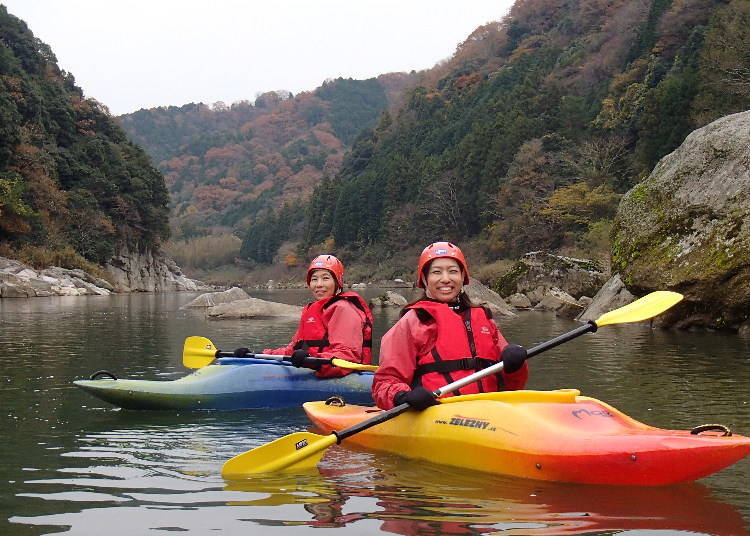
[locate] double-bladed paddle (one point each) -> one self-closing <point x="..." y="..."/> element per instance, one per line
<point x="303" y="450"/>
<point x="197" y="352"/>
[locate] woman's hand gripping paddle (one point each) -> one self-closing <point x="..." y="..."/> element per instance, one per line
<point x="303" y="450"/>
<point x="197" y="352"/>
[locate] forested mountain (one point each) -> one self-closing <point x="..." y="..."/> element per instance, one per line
<point x="527" y="137"/>
<point x="225" y="166"/>
<point x="72" y="186"/>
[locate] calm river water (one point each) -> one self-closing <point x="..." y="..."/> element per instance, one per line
<point x="74" y="465"/>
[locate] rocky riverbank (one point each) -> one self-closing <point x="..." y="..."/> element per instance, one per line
<point x="132" y="273"/>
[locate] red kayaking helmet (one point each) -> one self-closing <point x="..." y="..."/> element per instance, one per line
<point x="330" y="263"/>
<point x="437" y="250"/>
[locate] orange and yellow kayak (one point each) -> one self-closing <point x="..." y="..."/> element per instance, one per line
<point x="546" y="435"/>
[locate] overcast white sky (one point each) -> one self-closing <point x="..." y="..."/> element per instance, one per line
<point x="144" y="53"/>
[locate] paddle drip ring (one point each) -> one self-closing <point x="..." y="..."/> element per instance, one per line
<point x="726" y="432"/>
<point x="102" y="374"/>
<point x="335" y="401"/>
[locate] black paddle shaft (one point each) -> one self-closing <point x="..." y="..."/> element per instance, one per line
<point x="372" y="421"/>
<point x="398" y="410"/>
<point x="309" y="360"/>
<point x="589" y="326"/>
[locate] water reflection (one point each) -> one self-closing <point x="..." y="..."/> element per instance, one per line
<point x="164" y="476"/>
<point x="353" y="486"/>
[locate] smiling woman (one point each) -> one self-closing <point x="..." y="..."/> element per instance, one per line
<point x="443" y="337"/>
<point x="337" y="325"/>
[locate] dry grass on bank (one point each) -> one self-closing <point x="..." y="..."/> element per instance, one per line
<point x="40" y="258"/>
<point x="204" y="253"/>
<point x="487" y="273"/>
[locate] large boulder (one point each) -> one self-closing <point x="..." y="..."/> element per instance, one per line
<point x="686" y="227"/>
<point x="388" y="299"/>
<point x="611" y="296"/>
<point x="254" y="308"/>
<point x="537" y="272"/>
<point x="480" y="294"/>
<point x="562" y="303"/>
<point x="209" y="299"/>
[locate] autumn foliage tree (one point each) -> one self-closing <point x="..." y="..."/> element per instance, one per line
<point x="228" y="166"/>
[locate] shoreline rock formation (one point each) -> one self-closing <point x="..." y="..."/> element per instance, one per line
<point x="129" y="273"/>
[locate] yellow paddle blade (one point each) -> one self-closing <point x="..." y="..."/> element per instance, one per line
<point x="297" y="451"/>
<point x="642" y="309"/>
<point x="197" y="352"/>
<point x="351" y="365"/>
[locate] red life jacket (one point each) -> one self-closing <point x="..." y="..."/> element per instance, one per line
<point x="464" y="345"/>
<point x="314" y="333"/>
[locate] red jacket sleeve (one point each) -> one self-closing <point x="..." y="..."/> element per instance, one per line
<point x="399" y="349"/>
<point x="345" y="326"/>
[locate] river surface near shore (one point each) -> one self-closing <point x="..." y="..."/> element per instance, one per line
<point x="72" y="464"/>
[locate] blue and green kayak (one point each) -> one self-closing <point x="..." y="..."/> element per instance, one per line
<point x="230" y="383"/>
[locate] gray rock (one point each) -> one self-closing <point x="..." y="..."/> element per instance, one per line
<point x="158" y="273"/>
<point x="27" y="273"/>
<point x="480" y="294"/>
<point x="388" y="299"/>
<point x="42" y="293"/>
<point x="75" y="278"/>
<point x="148" y="271"/>
<point x="560" y="302"/>
<point x="9" y="264"/>
<point x="391" y="283"/>
<point x="211" y="299"/>
<point x="68" y="291"/>
<point x="253" y="308"/>
<point x="537" y="272"/>
<point x="611" y="296"/>
<point x="536" y="295"/>
<point x="519" y="301"/>
<point x="8" y="277"/>
<point x="686" y="227"/>
<point x="9" y="289"/>
<point x="90" y="288"/>
<point x="41" y="285"/>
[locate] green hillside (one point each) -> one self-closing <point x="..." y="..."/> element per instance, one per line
<point x="529" y="135"/>
<point x="72" y="186"/>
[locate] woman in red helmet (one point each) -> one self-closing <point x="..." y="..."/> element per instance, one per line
<point x="443" y="337"/>
<point x="337" y="324"/>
